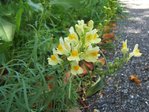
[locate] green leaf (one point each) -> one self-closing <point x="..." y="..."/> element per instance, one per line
<point x="35" y="6"/>
<point x="4" y="46"/>
<point x="4" y="54"/>
<point x="66" y="3"/>
<point x="2" y="58"/>
<point x="18" y="18"/>
<point x="108" y="46"/>
<point x="98" y="85"/>
<point x="7" y="30"/>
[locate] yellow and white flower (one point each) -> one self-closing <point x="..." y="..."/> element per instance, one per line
<point x="92" y="37"/>
<point x="76" y="69"/>
<point x="91" y="54"/>
<point x="90" y="25"/>
<point x="80" y="27"/>
<point x="54" y="59"/>
<point x="124" y="47"/>
<point x="62" y="48"/>
<point x="72" y="37"/>
<point x="67" y="45"/>
<point x="135" y="52"/>
<point x="74" y="56"/>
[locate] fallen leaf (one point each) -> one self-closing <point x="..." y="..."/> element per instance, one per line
<point x="50" y="86"/>
<point x="102" y="61"/>
<point x="113" y="25"/>
<point x="84" y="70"/>
<point x="108" y="36"/>
<point x="106" y="29"/>
<point x="49" y="78"/>
<point x="134" y="78"/>
<point x="67" y="76"/>
<point x="89" y="65"/>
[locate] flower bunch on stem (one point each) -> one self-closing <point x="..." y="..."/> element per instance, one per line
<point x="79" y="45"/>
<point x="125" y="50"/>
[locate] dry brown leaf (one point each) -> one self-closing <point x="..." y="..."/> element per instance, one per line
<point x="108" y="36"/>
<point x="84" y="70"/>
<point x="67" y="76"/>
<point x="134" y="78"/>
<point x="50" y="86"/>
<point x="102" y="61"/>
<point x="106" y="29"/>
<point x="108" y="41"/>
<point x="89" y="65"/>
<point x="112" y="24"/>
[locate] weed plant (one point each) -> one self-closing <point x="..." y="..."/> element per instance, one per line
<point x="27" y="82"/>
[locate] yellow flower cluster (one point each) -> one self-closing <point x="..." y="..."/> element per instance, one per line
<point x="80" y="44"/>
<point x="135" y="52"/>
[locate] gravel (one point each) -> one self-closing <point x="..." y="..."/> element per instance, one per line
<point x="120" y="94"/>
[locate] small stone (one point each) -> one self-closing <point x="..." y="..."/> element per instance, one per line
<point x="147" y="103"/>
<point x="131" y="96"/>
<point x="96" y="110"/>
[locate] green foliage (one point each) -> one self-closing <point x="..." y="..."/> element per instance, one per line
<point x="98" y="85"/>
<point x="111" y="68"/>
<point x="23" y="61"/>
<point x="7" y="30"/>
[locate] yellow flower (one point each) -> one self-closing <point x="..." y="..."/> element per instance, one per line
<point x="91" y="54"/>
<point x="76" y="69"/>
<point x="124" y="47"/>
<point x="74" y="55"/>
<point x="80" y="27"/>
<point x="135" y="52"/>
<point x="90" y="25"/>
<point x="67" y="45"/>
<point x="72" y="37"/>
<point x="63" y="48"/>
<point x="92" y="37"/>
<point x="54" y="59"/>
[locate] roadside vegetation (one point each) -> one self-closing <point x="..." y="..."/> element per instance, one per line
<point x="29" y="30"/>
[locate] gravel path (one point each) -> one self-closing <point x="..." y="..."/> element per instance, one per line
<point x="120" y="94"/>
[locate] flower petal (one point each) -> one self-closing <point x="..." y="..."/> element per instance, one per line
<point x="76" y="69"/>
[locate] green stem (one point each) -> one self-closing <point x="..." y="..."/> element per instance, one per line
<point x="70" y="84"/>
<point x="105" y="59"/>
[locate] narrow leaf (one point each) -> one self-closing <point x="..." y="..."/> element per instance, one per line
<point x="18" y="19"/>
<point x="96" y="87"/>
